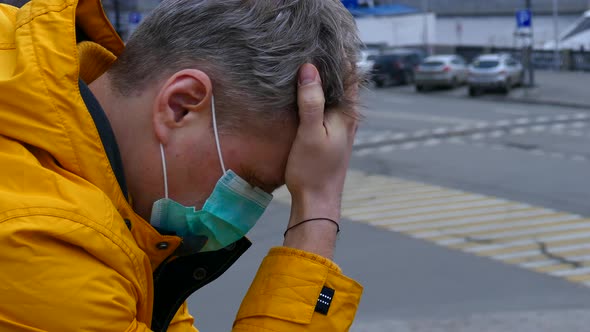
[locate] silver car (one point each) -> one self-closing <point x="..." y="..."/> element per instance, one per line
<point x="494" y="71"/>
<point x="441" y="70"/>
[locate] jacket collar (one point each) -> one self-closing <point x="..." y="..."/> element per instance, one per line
<point x="106" y="135"/>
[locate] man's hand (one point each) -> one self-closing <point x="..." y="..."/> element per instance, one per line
<point x="317" y="167"/>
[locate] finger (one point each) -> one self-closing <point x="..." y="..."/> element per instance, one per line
<point x="348" y="112"/>
<point x="310" y="99"/>
<point x="341" y="120"/>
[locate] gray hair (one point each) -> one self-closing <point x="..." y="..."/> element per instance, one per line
<point x="251" y="49"/>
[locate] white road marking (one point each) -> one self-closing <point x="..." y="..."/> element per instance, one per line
<point x="397" y="115"/>
<point x="549" y="262"/>
<point x="474" y="220"/>
<point x="493" y="227"/>
<point x="405" y="209"/>
<point x="555" y="250"/>
<point x="570" y="272"/>
<point x="510" y="111"/>
<point x="540" y="230"/>
<point x="545" y="239"/>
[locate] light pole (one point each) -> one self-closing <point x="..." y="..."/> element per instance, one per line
<point x="117" y="17"/>
<point x="556" y="33"/>
<point x="425" y="27"/>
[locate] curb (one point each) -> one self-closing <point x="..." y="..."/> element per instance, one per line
<point x="531" y="101"/>
<point x="516" y="100"/>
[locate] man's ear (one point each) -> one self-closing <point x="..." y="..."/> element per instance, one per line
<point x="186" y="93"/>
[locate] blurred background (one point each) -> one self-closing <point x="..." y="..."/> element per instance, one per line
<point x="467" y="203"/>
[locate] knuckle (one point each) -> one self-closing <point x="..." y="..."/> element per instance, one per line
<point x="312" y="102"/>
<point x="312" y="98"/>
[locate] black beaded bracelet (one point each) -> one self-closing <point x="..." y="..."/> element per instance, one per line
<point x="313" y="219"/>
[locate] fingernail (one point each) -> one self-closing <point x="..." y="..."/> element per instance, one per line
<point x="307" y="74"/>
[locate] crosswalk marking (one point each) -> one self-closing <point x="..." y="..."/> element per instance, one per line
<point x="549" y="263"/>
<point x="474" y="223"/>
<point x="571" y="272"/>
<point x="400" y="211"/>
<point x="556" y="249"/>
<point x="584" y="279"/>
<point x="565" y="252"/>
<point x="532" y="244"/>
<point x="436" y="197"/>
<point x="577" y="225"/>
<point x="465" y="215"/>
<point x="535" y="238"/>
<point x="382" y="189"/>
<point x="509" y="246"/>
<point x="414" y="207"/>
<point x="500" y="226"/>
<point x="514" y="239"/>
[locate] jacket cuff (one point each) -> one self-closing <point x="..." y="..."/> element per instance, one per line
<point x="286" y="251"/>
<point x="294" y="288"/>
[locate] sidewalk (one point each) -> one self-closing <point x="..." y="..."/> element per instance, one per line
<point x="571" y="89"/>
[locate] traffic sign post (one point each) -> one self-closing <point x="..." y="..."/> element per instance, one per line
<point x="524" y="30"/>
<point x="524" y="18"/>
<point x="350" y="4"/>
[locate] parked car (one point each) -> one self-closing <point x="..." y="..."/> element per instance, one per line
<point x="395" y="67"/>
<point x="366" y="60"/>
<point x="494" y="71"/>
<point x="441" y="70"/>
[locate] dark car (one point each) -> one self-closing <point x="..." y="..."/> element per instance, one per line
<point x="395" y="68"/>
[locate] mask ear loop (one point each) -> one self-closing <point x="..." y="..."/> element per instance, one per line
<point x="165" y="171"/>
<point x="217" y="134"/>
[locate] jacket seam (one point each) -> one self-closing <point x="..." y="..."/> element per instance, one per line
<point x="310" y="307"/>
<point x="344" y="278"/>
<point x="58" y="114"/>
<point x="47" y="9"/>
<point x="270" y="292"/>
<point x="110" y="216"/>
<point x="286" y="251"/>
<point x="90" y="224"/>
<point x="311" y="260"/>
<point x="258" y="328"/>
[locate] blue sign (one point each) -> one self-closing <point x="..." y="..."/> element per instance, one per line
<point x="350" y="4"/>
<point x="524" y="18"/>
<point x="134" y="18"/>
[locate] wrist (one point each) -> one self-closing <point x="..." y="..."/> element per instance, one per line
<point x="308" y="206"/>
<point x="290" y="227"/>
<point x="317" y="237"/>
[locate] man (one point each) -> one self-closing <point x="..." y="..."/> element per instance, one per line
<point x="130" y="175"/>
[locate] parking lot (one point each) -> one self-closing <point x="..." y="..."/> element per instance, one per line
<point x="551" y="88"/>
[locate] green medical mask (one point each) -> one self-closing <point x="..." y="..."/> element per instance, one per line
<point x="229" y="213"/>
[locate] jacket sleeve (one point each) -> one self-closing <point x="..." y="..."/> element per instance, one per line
<point x="182" y="321"/>
<point x="52" y="280"/>
<point x="298" y="291"/>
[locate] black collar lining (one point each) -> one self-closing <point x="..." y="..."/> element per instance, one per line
<point x="107" y="136"/>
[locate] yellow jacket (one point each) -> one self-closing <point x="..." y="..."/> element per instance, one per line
<point x="73" y="254"/>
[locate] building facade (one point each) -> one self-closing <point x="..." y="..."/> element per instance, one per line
<point x="490" y="7"/>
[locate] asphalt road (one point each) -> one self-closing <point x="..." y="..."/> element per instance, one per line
<point x="537" y="165"/>
<point x="531" y="154"/>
